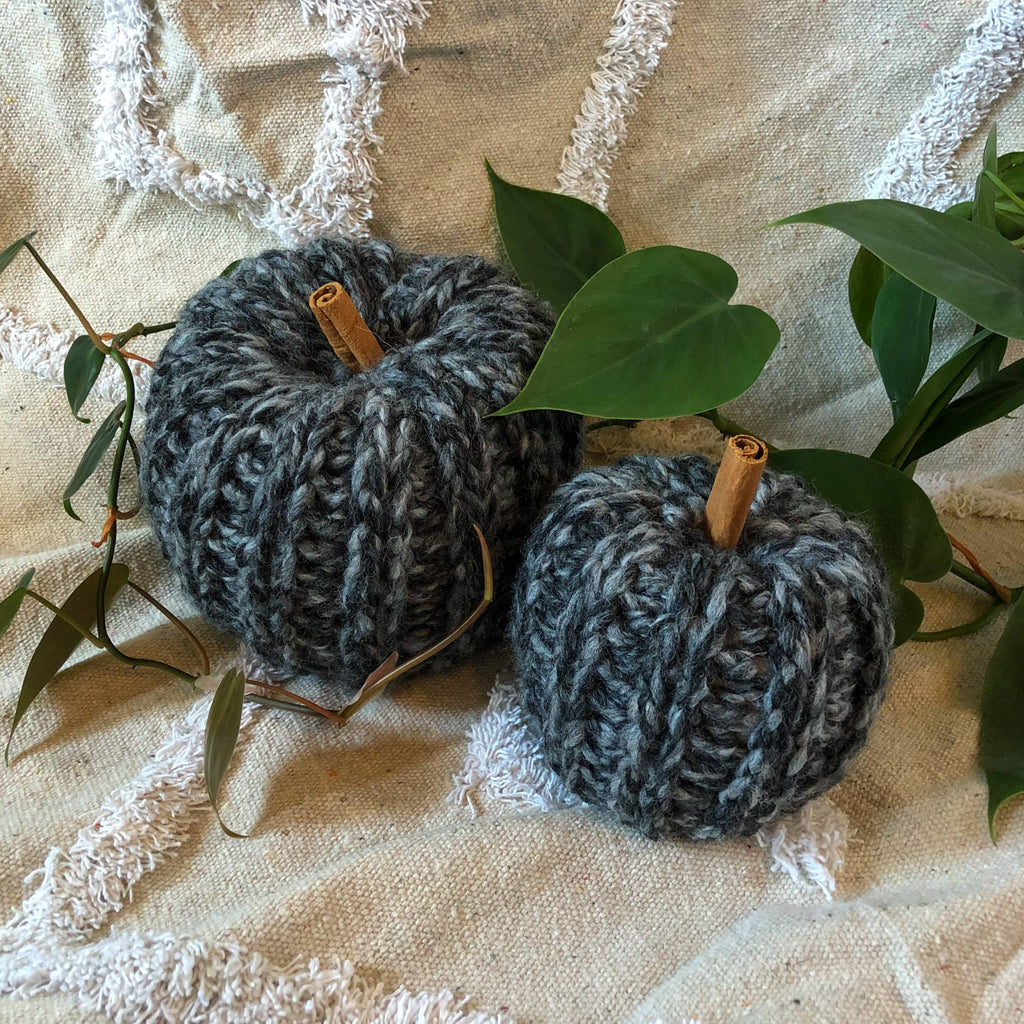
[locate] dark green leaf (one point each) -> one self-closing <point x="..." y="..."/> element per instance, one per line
<point x="226" y="272"/>
<point x="907" y="612"/>
<point x="901" y="338"/>
<point x="1010" y="168"/>
<point x="998" y="396"/>
<point x="651" y="335"/>
<point x="966" y="265"/>
<point x="61" y="639"/>
<point x="93" y="454"/>
<point x="10" y="604"/>
<point x="81" y="368"/>
<point x="992" y="359"/>
<point x="937" y="392"/>
<point x="867" y="275"/>
<point x="12" y="250"/>
<point x="897" y="513"/>
<point x="1001" y="743"/>
<point x="222" y="724"/>
<point x="555" y="243"/>
<point x="985" y="192"/>
<point x="962" y="210"/>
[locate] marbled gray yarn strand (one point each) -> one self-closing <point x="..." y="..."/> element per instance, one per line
<point x="691" y="690"/>
<point x="325" y="517"/>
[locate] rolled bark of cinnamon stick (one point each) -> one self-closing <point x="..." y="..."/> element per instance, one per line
<point x="345" y="330"/>
<point x="734" y="489"/>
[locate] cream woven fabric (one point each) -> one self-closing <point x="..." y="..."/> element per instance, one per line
<point x="365" y="892"/>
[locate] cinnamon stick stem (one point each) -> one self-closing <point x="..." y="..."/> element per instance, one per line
<point x="734" y="489"/>
<point x="346" y="331"/>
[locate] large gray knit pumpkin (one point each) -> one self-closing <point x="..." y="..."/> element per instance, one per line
<point x="324" y="517"/>
<point x="696" y="691"/>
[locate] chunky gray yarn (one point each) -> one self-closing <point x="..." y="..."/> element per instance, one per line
<point x="326" y="518"/>
<point x="691" y="690"/>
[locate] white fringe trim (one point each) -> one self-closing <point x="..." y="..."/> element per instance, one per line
<point x="504" y="766"/>
<point x="133" y="977"/>
<point x="135" y="830"/>
<point x="42" y="348"/>
<point x="640" y="31"/>
<point x="919" y="165"/>
<point x="504" y="762"/>
<point x="810" y="844"/>
<point x="367" y="40"/>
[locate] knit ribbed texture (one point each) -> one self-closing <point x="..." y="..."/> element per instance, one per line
<point x="691" y="690"/>
<point x="327" y="518"/>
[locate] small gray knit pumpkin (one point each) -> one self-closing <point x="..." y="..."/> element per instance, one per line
<point x="326" y="518"/>
<point x="696" y="691"/>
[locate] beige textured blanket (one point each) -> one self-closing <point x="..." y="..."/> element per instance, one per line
<point x="151" y="143"/>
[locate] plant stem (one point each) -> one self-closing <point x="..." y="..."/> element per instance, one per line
<point x="1005" y="189"/>
<point x="1003" y="593"/>
<point x="95" y="641"/>
<point x="204" y="658"/>
<point x="970" y="576"/>
<point x="283" y="705"/>
<point x="730" y="426"/>
<point x="95" y="338"/>
<point x="158" y="328"/>
<point x="601" y="424"/>
<point x="965" y="629"/>
<point x="316" y="709"/>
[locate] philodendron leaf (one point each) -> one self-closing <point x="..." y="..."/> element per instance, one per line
<point x="651" y="335"/>
<point x="222" y="724"/>
<point x="10" y="605"/>
<point x="61" y="639"/>
<point x="993" y="398"/>
<point x="93" y="454"/>
<point x="901" y="338"/>
<point x="983" y="210"/>
<point x="924" y="408"/>
<point x="1001" y="744"/>
<point x="82" y="366"/>
<point x="13" y="249"/>
<point x="898" y="514"/>
<point x="867" y="275"/>
<point x="970" y="267"/>
<point x="555" y="243"/>
<point x="992" y="359"/>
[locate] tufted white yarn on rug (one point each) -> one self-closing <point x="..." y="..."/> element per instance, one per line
<point x="919" y="165"/>
<point x="366" y="41"/>
<point x="504" y="766"/>
<point x="135" y="977"/>
<point x="42" y="348"/>
<point x="640" y="31"/>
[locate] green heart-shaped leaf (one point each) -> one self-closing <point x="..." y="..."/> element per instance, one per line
<point x="82" y="366"/>
<point x="61" y="639"/>
<point x="93" y="455"/>
<point x="901" y="338"/>
<point x="967" y="265"/>
<point x="555" y="243"/>
<point x="222" y="724"/>
<point x="651" y="335"/>
<point x="1001" y="743"/>
<point x="897" y="513"/>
